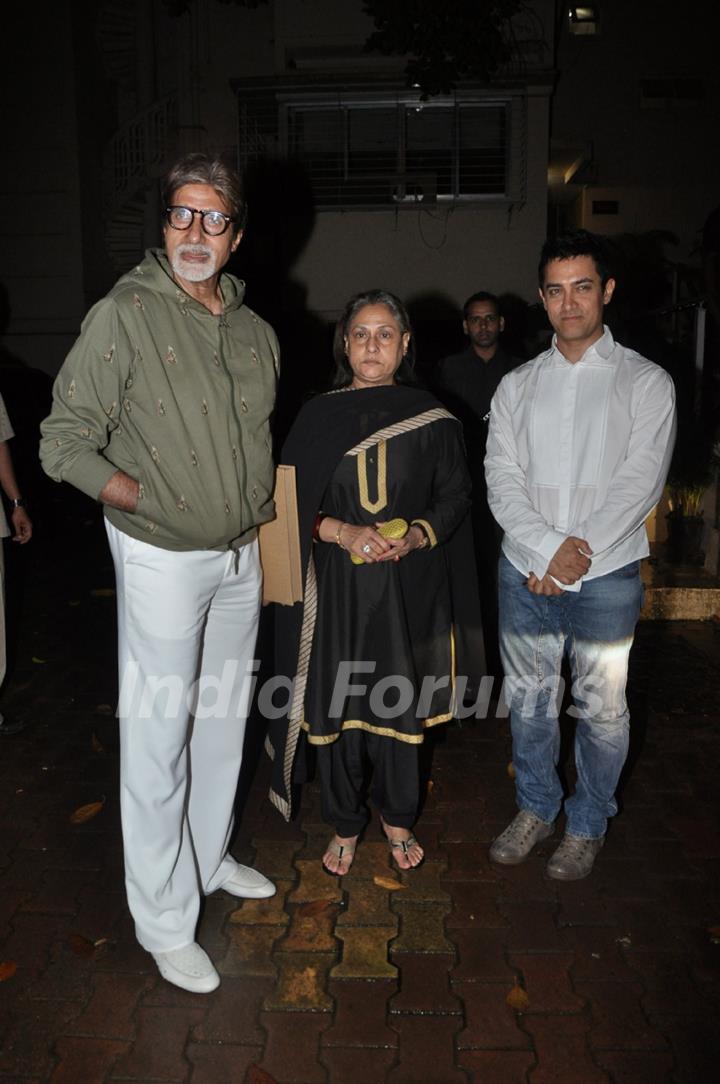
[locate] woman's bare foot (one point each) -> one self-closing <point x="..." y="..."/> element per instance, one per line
<point x="339" y="855"/>
<point x="405" y="849"/>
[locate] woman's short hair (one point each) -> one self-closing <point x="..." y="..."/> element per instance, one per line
<point x="343" y="374"/>
<point x="200" y="168"/>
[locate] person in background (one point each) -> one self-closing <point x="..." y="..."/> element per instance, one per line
<point x="466" y="383"/>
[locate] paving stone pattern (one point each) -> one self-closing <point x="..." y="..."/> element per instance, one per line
<point x="352" y="980"/>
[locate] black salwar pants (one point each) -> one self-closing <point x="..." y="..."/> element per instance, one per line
<point x="360" y="760"/>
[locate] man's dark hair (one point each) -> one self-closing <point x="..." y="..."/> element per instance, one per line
<point x="574" y="243"/>
<point x="199" y="168"/>
<point x="343" y="375"/>
<point x="481" y="295"/>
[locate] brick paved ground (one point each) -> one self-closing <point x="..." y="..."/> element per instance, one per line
<point x="353" y="981"/>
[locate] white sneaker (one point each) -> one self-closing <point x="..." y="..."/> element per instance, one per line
<point x="249" y="884"/>
<point x="188" y="967"/>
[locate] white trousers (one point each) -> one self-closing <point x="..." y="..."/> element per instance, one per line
<point x="187" y="625"/>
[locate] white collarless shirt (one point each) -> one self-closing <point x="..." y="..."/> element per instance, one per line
<point x="579" y="449"/>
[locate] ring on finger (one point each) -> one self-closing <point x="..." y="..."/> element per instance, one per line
<point x="367" y="548"/>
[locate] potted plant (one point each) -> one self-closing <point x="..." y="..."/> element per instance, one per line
<point x="691" y="473"/>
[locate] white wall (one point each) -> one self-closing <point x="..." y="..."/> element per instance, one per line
<point x="440" y="250"/>
<point x="412" y="251"/>
<point x="415" y="252"/>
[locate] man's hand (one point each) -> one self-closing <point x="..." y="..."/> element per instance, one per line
<point x="571" y="560"/>
<point x="121" y="491"/>
<point x="23" y="525"/>
<point x="545" y="586"/>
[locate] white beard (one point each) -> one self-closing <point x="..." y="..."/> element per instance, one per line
<point x="190" y="271"/>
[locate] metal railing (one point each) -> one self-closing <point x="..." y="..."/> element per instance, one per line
<point x="138" y="152"/>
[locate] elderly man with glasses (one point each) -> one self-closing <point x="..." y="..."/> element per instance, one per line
<point x="161" y="412"/>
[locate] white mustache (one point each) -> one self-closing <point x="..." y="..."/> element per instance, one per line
<point x="193" y="250"/>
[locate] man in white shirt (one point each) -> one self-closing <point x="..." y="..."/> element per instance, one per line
<point x="579" y="445"/>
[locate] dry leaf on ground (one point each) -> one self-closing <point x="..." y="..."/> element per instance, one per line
<point x="317" y="907"/>
<point x="256" y="1075"/>
<point x="387" y="882"/>
<point x="517" y="999"/>
<point x="86" y="812"/>
<point x="81" y="946"/>
<point x="7" y="969"/>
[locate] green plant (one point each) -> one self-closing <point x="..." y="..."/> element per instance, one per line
<point x="686" y="500"/>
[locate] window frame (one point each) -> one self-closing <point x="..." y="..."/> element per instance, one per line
<point x="512" y="106"/>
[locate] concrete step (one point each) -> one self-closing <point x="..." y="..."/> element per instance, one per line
<point x="679" y="592"/>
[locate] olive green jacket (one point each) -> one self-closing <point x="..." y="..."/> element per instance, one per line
<point x="179" y="399"/>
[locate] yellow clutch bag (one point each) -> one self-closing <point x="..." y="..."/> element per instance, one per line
<point x="394" y="528"/>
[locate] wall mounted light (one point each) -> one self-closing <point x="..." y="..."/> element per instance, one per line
<point x="584" y="19"/>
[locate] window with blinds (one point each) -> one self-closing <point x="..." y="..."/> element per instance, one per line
<point x="359" y="155"/>
<point x="381" y="153"/>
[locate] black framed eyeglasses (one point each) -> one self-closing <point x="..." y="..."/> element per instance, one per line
<point x="213" y="222"/>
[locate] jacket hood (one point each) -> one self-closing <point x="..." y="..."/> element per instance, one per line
<point x="154" y="273"/>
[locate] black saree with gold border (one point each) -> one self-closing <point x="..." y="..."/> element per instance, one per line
<point x="372" y="646"/>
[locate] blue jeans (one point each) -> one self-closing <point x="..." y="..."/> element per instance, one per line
<point x="595" y="628"/>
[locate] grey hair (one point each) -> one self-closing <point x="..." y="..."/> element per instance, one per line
<point x="343" y="373"/>
<point x="199" y="168"/>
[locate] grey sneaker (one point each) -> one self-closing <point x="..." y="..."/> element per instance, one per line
<point x="514" y="844"/>
<point x="574" y="858"/>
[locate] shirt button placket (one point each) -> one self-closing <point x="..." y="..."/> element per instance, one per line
<point x="567" y="415"/>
